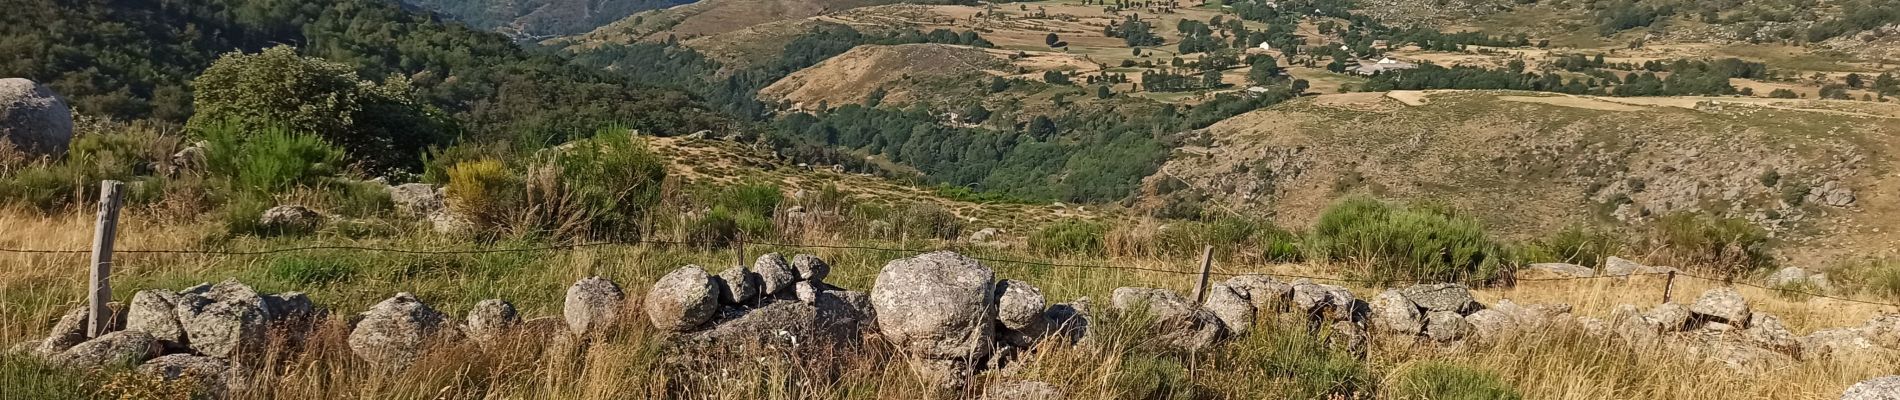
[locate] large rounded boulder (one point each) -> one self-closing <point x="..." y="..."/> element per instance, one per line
<point x="683" y="299"/>
<point x="225" y="320"/>
<point x="592" y="305"/>
<point x="33" y="118"/>
<point x="939" y="307"/>
<point x="394" y="332"/>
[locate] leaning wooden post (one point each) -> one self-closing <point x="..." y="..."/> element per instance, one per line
<point x="1200" y="285"/>
<point x="105" y="230"/>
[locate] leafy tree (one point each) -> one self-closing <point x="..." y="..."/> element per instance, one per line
<point x="1265" y="70"/>
<point x="1855" y="81"/>
<point x="383" y="124"/>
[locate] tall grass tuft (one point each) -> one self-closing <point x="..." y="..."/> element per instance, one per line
<point x="1399" y="243"/>
<point x="1729" y="246"/>
<point x="1069" y="237"/>
<point x="1439" y="380"/>
<point x="1575" y="245"/>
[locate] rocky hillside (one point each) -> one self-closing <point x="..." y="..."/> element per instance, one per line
<point x="712" y="17"/>
<point x="1536" y="163"/>
<point x="902" y="70"/>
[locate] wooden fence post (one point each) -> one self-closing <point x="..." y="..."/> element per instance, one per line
<point x="105" y="230"/>
<point x="1200" y="285"/>
<point x="1669" y="285"/>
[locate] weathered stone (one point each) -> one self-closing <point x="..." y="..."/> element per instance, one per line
<point x="1529" y="316"/>
<point x="1722" y="304"/>
<point x="1628" y="323"/>
<point x="116" y="348"/>
<point x="489" y="320"/>
<point x="593" y="304"/>
<point x="1392" y="312"/>
<point x="1309" y="298"/>
<point x="1023" y="390"/>
<point x="393" y="332"/>
<point x="290" y="218"/>
<point x="153" y="312"/>
<point x="1446" y="326"/>
<point x="810" y="267"/>
<point x="1069" y="321"/>
<point x="739" y="286"/>
<point x="1178" y="323"/>
<point x="832" y="322"/>
<point x="211" y="376"/>
<point x="34" y="118"/>
<point x="1019" y="306"/>
<point x="225" y="321"/>
<point x="417" y="199"/>
<point x="775" y="274"/>
<point x="1562" y="270"/>
<point x="1446" y="297"/>
<point x="1493" y="324"/>
<point x="1882" y="388"/>
<point x="1671" y="317"/>
<point x="1837" y="342"/>
<point x="1233" y="309"/>
<point x="1265" y="293"/>
<point x="941" y="308"/>
<point x="1788" y="277"/>
<point x="1767" y="331"/>
<point x="71" y="328"/>
<point x="1616" y="266"/>
<point x="1348" y="337"/>
<point x="984" y="235"/>
<point x="806" y="291"/>
<point x="289" y="306"/>
<point x="1883" y="330"/>
<point x="447" y="221"/>
<point x="682" y="300"/>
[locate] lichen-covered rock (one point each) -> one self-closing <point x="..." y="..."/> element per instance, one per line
<point x="1265" y="293"/>
<point x="805" y="291"/>
<point x="1670" y="317"/>
<point x="1837" y="342"/>
<point x="592" y="305"/>
<point x="1235" y="311"/>
<point x="34" y="118"/>
<point x="1178" y="323"/>
<point x="1562" y="270"/>
<point x="211" y="376"/>
<point x="290" y="218"/>
<point x="810" y="267"/>
<point x="939" y="306"/>
<point x="71" y="328"/>
<point x="1767" y="330"/>
<point x="1446" y="326"/>
<point x="116" y="348"/>
<point x="154" y="312"/>
<point x="775" y="275"/>
<point x="1069" y="321"/>
<point x="393" y="332"/>
<point x="417" y="199"/>
<point x="226" y="320"/>
<point x="1884" y="330"/>
<point x="1882" y="388"/>
<point x="1618" y="266"/>
<point x="1492" y="324"/>
<point x="738" y="286"/>
<point x="682" y="300"/>
<point x="1023" y="390"/>
<point x="1445" y="297"/>
<point x="1392" y="312"/>
<point x="1019" y="304"/>
<point x="489" y="320"/>
<point x="1722" y="304"/>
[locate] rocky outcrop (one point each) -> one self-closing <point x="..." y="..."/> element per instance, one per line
<point x="33" y="118"/>
<point x="394" y="332"/>
<point x="682" y="300"/>
<point x="940" y="309"/>
<point x="592" y="305"/>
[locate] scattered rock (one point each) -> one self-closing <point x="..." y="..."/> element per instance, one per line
<point x="774" y="273"/>
<point x="941" y="308"/>
<point x="417" y="199"/>
<point x="682" y="300"/>
<point x="1019" y="312"/>
<point x="592" y="305"/>
<point x="290" y="218"/>
<point x="489" y="320"/>
<point x="1563" y="270"/>
<point x="1882" y="388"/>
<point x="1446" y="326"/>
<point x="1722" y="304"/>
<point x="1392" y="312"/>
<point x="1233" y="308"/>
<point x="984" y="235"/>
<point x="1023" y="390"/>
<point x="1617" y="266"/>
<point x="1492" y="324"/>
<point x="1839" y="342"/>
<point x="738" y="286"/>
<point x="810" y="267"/>
<point x="1767" y="331"/>
<point x="1831" y="193"/>
<point x="154" y="312"/>
<point x="34" y="118"/>
<point x="224" y="321"/>
<point x="393" y="332"/>
<point x="1670" y="317"/>
<point x="1445" y="297"/>
<point x="452" y="223"/>
<point x="116" y="348"/>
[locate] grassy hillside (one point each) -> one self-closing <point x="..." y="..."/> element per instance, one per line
<point x="539" y="18"/>
<point x="712" y="17"/>
<point x="1539" y="163"/>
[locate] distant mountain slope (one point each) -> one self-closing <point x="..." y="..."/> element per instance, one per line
<point x="1532" y="163"/>
<point x="712" y="17"/>
<point x="540" y="18"/>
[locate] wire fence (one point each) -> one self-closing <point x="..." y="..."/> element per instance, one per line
<point x="656" y="242"/>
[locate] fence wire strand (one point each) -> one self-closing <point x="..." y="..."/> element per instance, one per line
<point x="570" y="247"/>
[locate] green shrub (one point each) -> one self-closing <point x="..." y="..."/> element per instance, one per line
<point x="1437" y="380"/>
<point x="1878" y="277"/>
<point x="1069" y="237"/>
<point x="610" y="181"/>
<point x="266" y="160"/>
<point x="116" y="152"/>
<point x="1731" y="246"/>
<point x="384" y="124"/>
<point x="1397" y="243"/>
<point x="1575" y="245"/>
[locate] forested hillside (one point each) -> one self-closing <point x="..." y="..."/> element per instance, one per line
<point x="133" y="60"/>
<point x="538" y="18"/>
